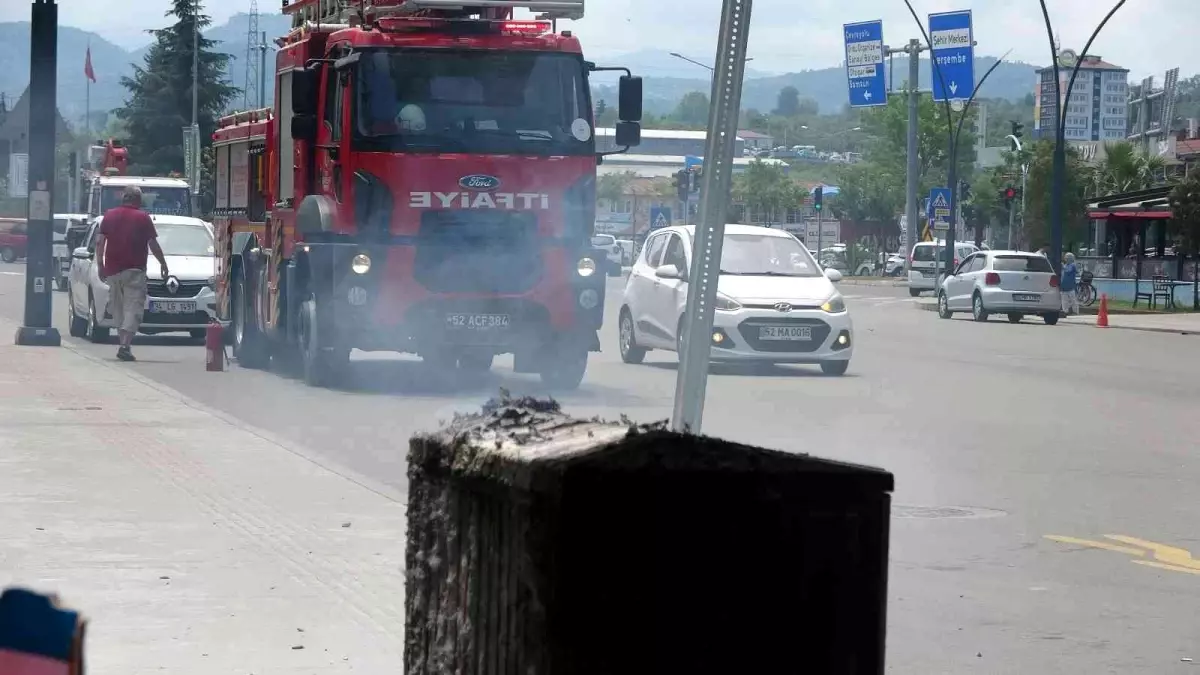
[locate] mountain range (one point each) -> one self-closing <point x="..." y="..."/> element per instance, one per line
<point x="667" y="78"/>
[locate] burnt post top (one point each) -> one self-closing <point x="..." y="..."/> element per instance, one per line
<point x="514" y="440"/>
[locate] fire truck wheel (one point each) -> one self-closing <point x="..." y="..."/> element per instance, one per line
<point x="565" y="370"/>
<point x="475" y="361"/>
<point x="8" y="255"/>
<point x="323" y="367"/>
<point x="250" y="346"/>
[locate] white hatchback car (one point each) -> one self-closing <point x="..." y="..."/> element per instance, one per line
<point x="774" y="303"/>
<point x="183" y="302"/>
<point x="1015" y="283"/>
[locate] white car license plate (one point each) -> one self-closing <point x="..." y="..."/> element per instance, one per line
<point x="172" y="307"/>
<point x="477" y="321"/>
<point x="1027" y="297"/>
<point x="785" y="333"/>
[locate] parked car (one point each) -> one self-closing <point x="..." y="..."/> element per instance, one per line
<point x="928" y="263"/>
<point x="183" y="302"/>
<point x="1014" y="283"/>
<point x="612" y="252"/>
<point x="774" y="303"/>
<point x="13" y="239"/>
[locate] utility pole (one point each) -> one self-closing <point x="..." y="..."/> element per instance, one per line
<point x="194" y="169"/>
<point x="912" y="183"/>
<point x="262" y="72"/>
<point x="724" y="108"/>
<point x="37" y="329"/>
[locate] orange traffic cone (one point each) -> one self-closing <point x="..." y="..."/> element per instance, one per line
<point x="1102" y="315"/>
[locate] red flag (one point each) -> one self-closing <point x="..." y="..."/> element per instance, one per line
<point x="87" y="66"/>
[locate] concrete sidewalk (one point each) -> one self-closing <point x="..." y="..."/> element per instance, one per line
<point x="1183" y="324"/>
<point x="193" y="544"/>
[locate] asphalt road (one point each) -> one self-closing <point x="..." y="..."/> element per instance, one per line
<point x="1046" y="478"/>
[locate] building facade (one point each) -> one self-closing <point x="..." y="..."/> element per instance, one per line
<point x="1096" y="107"/>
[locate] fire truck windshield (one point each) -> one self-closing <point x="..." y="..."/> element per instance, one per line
<point x="488" y="102"/>
<point x="167" y="201"/>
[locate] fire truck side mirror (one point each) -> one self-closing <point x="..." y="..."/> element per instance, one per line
<point x="304" y="91"/>
<point x="628" y="134"/>
<point x="629" y="98"/>
<point x="304" y="127"/>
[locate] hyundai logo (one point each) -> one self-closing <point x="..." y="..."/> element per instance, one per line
<point x="479" y="182"/>
<point x="172" y="285"/>
<point x="782" y="307"/>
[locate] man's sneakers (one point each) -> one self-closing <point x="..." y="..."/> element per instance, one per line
<point x="124" y="353"/>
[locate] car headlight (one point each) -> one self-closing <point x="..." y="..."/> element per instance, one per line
<point x="726" y="303"/>
<point x="834" y="305"/>
<point x="361" y="264"/>
<point x="586" y="267"/>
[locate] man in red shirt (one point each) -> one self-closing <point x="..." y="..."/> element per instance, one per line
<point x="125" y="234"/>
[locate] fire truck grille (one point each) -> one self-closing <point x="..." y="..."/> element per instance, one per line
<point x="471" y="251"/>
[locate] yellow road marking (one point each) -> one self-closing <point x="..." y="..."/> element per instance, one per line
<point x="1096" y="544"/>
<point x="1168" y="554"/>
<point x="1171" y="558"/>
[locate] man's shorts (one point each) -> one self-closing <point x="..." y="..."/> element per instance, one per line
<point x="127" y="299"/>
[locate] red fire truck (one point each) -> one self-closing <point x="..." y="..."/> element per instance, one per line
<point x="424" y="183"/>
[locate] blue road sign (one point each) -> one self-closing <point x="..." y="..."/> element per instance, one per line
<point x="692" y="161"/>
<point x="660" y="217"/>
<point x="864" y="64"/>
<point x="941" y="202"/>
<point x="953" y="55"/>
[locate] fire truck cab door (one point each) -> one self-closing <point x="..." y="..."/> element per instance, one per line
<point x="332" y="142"/>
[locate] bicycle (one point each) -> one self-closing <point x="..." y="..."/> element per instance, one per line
<point x="1085" y="292"/>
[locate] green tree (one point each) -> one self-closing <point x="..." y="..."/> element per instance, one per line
<point x="1185" y="221"/>
<point x="160" y="92"/>
<point x="766" y="188"/>
<point x="692" y="109"/>
<point x="788" y="102"/>
<point x="1036" y="228"/>
<point x="870" y="192"/>
<point x="1126" y="168"/>
<point x="606" y="115"/>
<point x="614" y="186"/>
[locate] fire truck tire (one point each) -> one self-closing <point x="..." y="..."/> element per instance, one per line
<point x="565" y="370"/>
<point x="8" y="255"/>
<point x="249" y="346"/>
<point x="323" y="366"/>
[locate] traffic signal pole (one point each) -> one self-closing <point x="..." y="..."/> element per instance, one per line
<point x="726" y="97"/>
<point x="912" y="179"/>
<point x="36" y="329"/>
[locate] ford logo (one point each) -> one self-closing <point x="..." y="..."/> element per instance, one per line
<point x="479" y="182"/>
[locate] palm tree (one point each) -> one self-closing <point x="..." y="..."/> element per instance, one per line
<point x="1126" y="168"/>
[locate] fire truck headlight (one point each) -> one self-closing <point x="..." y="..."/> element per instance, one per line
<point x="589" y="298"/>
<point x="361" y="263"/>
<point x="586" y="267"/>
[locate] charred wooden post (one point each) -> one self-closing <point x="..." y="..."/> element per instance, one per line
<point x="543" y="544"/>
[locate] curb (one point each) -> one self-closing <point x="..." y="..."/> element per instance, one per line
<point x="931" y="306"/>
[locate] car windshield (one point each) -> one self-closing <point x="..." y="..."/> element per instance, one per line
<point x="604" y="240"/>
<point x="924" y="253"/>
<point x="756" y="254"/>
<point x="165" y="201"/>
<point x="1021" y="263"/>
<point x="488" y="102"/>
<point x="185" y="240"/>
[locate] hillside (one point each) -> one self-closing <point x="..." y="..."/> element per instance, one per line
<point x="667" y="78"/>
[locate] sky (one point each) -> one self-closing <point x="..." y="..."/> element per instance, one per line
<point x="1145" y="36"/>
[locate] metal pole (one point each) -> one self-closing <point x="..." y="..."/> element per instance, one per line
<point x="819" y="230"/>
<point x="725" y="104"/>
<point x="914" y="167"/>
<point x="43" y="113"/>
<point x="262" y="72"/>
<point x="1024" y="177"/>
<point x="1011" y="211"/>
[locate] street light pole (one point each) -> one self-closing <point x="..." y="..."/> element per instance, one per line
<point x="1024" y="177"/>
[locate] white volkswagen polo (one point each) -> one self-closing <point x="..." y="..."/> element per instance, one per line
<point x="774" y="303"/>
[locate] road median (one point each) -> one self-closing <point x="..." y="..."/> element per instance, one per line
<point x="193" y="543"/>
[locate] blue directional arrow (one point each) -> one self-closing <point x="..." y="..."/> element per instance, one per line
<point x="953" y="61"/>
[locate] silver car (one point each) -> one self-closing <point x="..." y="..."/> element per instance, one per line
<point x="183" y="302"/>
<point x="1014" y="283"/>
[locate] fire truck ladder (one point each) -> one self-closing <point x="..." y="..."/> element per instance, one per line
<point x="343" y="11"/>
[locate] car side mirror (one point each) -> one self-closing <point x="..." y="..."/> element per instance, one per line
<point x="832" y="274"/>
<point x="82" y="253"/>
<point x="668" y="272"/>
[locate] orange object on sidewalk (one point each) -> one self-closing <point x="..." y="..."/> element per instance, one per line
<point x="214" y="348"/>
<point x="1102" y="315"/>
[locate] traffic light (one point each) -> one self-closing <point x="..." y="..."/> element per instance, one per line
<point x="1008" y="194"/>
<point x="681" y="185"/>
<point x="818" y="195"/>
<point x="964" y="190"/>
<point x="696" y="176"/>
<point x="1018" y="129"/>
